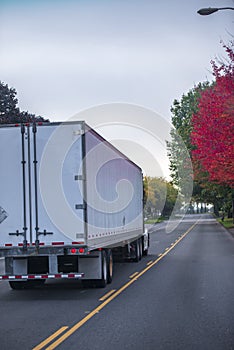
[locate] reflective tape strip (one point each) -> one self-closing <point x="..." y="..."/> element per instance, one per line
<point x="52" y="276"/>
<point x="42" y="244"/>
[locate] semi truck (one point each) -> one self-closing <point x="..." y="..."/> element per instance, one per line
<point x="70" y="205"/>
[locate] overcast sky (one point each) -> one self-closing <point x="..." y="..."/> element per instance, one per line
<point x="63" y="56"/>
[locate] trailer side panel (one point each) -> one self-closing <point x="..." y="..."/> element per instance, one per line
<point x="114" y="195"/>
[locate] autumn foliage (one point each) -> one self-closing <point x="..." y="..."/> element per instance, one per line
<point x="213" y="125"/>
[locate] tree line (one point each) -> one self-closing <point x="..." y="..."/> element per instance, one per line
<point x="159" y="197"/>
<point x="201" y="147"/>
<point x="204" y="120"/>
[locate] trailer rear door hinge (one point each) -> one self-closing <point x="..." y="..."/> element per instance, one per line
<point x="79" y="177"/>
<point x="80" y="206"/>
<point x="17" y="233"/>
<point x="44" y="233"/>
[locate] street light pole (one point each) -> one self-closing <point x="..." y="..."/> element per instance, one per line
<point x="209" y="10"/>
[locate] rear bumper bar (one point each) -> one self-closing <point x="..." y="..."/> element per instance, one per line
<point x="41" y="276"/>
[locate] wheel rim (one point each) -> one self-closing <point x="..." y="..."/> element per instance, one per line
<point x="110" y="266"/>
<point x="104" y="268"/>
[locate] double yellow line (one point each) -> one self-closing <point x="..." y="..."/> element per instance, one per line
<point x="107" y="298"/>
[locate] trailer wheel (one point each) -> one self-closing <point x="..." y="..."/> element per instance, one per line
<point x="19" y="285"/>
<point x="87" y="283"/>
<point x="145" y="252"/>
<point x="109" y="266"/>
<point x="140" y="248"/>
<point x="105" y="272"/>
<point x="36" y="283"/>
<point x="136" y="251"/>
<point x="101" y="283"/>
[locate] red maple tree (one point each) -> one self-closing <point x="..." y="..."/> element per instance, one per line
<point x="213" y="125"/>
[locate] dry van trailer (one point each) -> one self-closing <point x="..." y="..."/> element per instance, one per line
<point x="69" y="200"/>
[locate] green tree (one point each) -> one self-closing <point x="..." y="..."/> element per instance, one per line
<point x="180" y="147"/>
<point x="9" y="112"/>
<point x="185" y="124"/>
<point x="212" y="133"/>
<point x="171" y="197"/>
<point x="160" y="197"/>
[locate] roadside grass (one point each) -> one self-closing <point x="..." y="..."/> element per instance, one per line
<point x="227" y="223"/>
<point x="154" y="221"/>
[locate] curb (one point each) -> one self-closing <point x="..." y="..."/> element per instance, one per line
<point x="230" y="231"/>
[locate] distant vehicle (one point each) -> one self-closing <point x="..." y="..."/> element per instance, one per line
<point x="70" y="202"/>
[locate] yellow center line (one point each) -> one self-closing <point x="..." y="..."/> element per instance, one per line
<point x="149" y="263"/>
<point x="49" y="339"/>
<point x="134" y="274"/>
<point x="114" y="295"/>
<point x="107" y="295"/>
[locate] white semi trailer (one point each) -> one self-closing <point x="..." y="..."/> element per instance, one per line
<point x="69" y="202"/>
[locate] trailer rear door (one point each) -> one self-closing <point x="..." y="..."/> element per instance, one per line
<point x="12" y="199"/>
<point x="41" y="184"/>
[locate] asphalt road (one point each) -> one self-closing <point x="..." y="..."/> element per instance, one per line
<point x="178" y="297"/>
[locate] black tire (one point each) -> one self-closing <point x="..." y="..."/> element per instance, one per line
<point x="145" y="252"/>
<point x="87" y="283"/>
<point x="110" y="266"/>
<point x="19" y="285"/>
<point x="136" y="251"/>
<point x="101" y="283"/>
<point x="36" y="283"/>
<point x="140" y="248"/>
